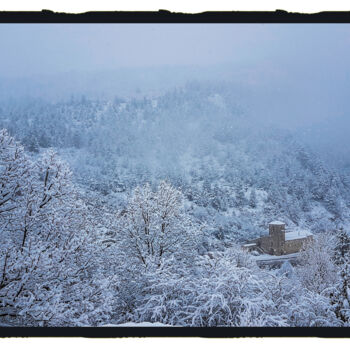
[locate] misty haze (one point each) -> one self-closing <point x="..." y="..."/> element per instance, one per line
<point x="175" y="175"/>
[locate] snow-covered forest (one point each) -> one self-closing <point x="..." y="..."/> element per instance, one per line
<point x="134" y="211"/>
<point x="132" y="208"/>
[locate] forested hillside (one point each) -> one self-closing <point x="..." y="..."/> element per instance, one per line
<point x="133" y="210"/>
<point x="236" y="174"/>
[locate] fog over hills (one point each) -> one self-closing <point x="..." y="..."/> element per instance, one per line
<point x="201" y="138"/>
<point x="291" y="76"/>
<point x="136" y="159"/>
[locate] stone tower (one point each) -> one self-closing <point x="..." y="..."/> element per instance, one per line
<point x="277" y="233"/>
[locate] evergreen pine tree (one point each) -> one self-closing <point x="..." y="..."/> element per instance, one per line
<point x="341" y="296"/>
<point x="252" y="199"/>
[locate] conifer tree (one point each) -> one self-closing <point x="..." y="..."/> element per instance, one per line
<point x="341" y="295"/>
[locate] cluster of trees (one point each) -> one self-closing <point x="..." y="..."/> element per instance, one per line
<point x="110" y="241"/>
<point x="228" y="289"/>
<point x="158" y="264"/>
<point x="46" y="243"/>
<point x="237" y="174"/>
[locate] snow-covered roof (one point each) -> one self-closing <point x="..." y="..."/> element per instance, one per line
<point x="297" y="234"/>
<point x="249" y="245"/>
<point x="276" y="223"/>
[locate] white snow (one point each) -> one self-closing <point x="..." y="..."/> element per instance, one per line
<point x="297" y="234"/>
<point x="154" y="103"/>
<point x="217" y="100"/>
<point x="275" y="257"/>
<point x="276" y="223"/>
<point x="134" y="324"/>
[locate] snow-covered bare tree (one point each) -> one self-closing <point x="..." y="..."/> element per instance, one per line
<point x="318" y="271"/>
<point x="155" y="226"/>
<point x="46" y="252"/>
<point x="311" y="309"/>
<point x="15" y="171"/>
<point x="216" y="291"/>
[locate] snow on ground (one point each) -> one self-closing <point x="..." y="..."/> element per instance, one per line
<point x="274" y="260"/>
<point x="134" y="324"/>
<point x="275" y="257"/>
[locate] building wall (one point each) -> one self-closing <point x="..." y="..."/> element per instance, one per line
<point x="295" y="245"/>
<point x="266" y="244"/>
<point x="277" y="234"/>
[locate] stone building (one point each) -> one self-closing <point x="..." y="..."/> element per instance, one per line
<point x="279" y="241"/>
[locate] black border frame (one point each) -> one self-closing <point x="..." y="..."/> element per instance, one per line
<point x="160" y="332"/>
<point x="164" y="16"/>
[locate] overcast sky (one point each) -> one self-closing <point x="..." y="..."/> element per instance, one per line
<point x="299" y="73"/>
<point x="42" y="48"/>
